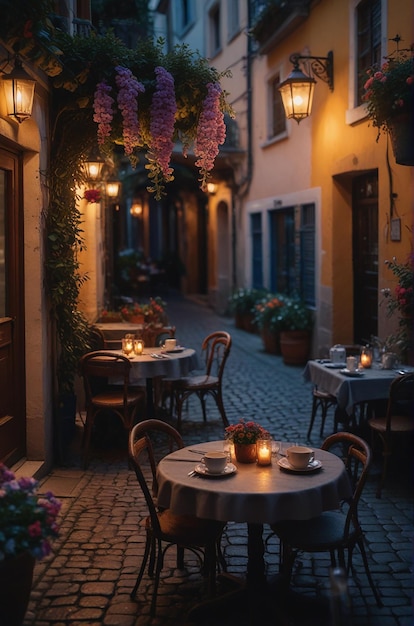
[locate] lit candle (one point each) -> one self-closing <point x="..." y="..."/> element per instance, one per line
<point x="138" y="346"/>
<point x="366" y="357"/>
<point x="127" y="346"/>
<point x="264" y="451"/>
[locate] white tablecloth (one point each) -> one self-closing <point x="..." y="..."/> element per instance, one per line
<point x="173" y="365"/>
<point x="373" y="384"/>
<point x="254" y="494"/>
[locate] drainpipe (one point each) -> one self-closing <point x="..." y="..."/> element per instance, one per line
<point x="241" y="190"/>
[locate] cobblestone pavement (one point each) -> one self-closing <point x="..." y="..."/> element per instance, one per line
<point x="88" y="578"/>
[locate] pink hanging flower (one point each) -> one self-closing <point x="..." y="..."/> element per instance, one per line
<point x="92" y="195"/>
<point x="163" y="110"/>
<point x="103" y="112"/>
<point x="129" y="88"/>
<point x="211" y="132"/>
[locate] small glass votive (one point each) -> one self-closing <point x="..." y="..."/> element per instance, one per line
<point x="264" y="451"/>
<point x="127" y="346"/>
<point x="138" y="346"/>
<point x="365" y="358"/>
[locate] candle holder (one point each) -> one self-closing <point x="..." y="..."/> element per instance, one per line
<point x="138" y="346"/>
<point x="127" y="346"/>
<point x="264" y="451"/>
<point x="366" y="357"/>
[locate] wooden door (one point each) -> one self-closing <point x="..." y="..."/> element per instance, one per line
<point x="365" y="256"/>
<point x="12" y="379"/>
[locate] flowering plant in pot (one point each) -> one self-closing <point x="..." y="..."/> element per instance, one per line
<point x="242" y="304"/>
<point x="244" y="436"/>
<point x="400" y="301"/>
<point x="27" y="524"/>
<point x="296" y="323"/>
<point x="389" y="94"/>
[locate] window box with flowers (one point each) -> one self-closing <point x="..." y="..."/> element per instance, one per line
<point x="244" y="436"/>
<point x="389" y="94"/>
<point x="27" y="524"/>
<point x="400" y="301"/>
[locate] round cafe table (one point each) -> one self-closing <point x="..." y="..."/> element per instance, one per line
<point x="163" y="364"/>
<point x="253" y="494"/>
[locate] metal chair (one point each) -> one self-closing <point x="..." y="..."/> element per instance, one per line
<point x="163" y="528"/>
<point x="398" y="419"/>
<point x="332" y="531"/>
<point x="98" y="369"/>
<point x="215" y="351"/>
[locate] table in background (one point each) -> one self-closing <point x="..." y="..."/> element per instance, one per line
<point x="172" y="365"/>
<point x="373" y="384"/>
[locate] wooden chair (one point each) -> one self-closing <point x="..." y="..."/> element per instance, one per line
<point x="320" y="400"/>
<point x="163" y="528"/>
<point x="154" y="336"/>
<point x="215" y="350"/>
<point x="398" y="419"/>
<point x="332" y="531"/>
<point x="97" y="369"/>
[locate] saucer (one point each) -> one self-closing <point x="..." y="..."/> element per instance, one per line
<point x="228" y="470"/>
<point x="177" y="349"/>
<point x="312" y="466"/>
<point x="347" y="372"/>
<point x="334" y="366"/>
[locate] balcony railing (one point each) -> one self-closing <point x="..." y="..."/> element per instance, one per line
<point x="276" y="19"/>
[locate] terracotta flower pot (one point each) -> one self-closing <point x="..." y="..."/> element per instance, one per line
<point x="245" y="452"/>
<point x="271" y="340"/>
<point x="295" y="346"/>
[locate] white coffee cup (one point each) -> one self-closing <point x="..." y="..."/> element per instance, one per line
<point x="170" y="344"/>
<point x="215" y="461"/>
<point x="299" y="456"/>
<point x="351" y="363"/>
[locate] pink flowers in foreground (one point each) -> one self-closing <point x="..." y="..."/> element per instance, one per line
<point x="27" y="522"/>
<point x="211" y="131"/>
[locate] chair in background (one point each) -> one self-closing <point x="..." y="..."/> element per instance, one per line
<point x="398" y="419"/>
<point x="154" y="336"/>
<point x="163" y="528"/>
<point x="215" y="350"/>
<point x="98" y="369"/>
<point x="320" y="400"/>
<point x="332" y="531"/>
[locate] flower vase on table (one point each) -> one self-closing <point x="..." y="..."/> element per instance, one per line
<point x="245" y="452"/>
<point x="244" y="436"/>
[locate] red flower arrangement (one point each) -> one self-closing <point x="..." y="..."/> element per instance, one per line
<point x="92" y="195"/>
<point x="245" y="432"/>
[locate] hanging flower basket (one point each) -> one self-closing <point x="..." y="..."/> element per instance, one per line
<point x="402" y="138"/>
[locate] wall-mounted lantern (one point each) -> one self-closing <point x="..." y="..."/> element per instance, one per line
<point x="297" y="89"/>
<point x="112" y="188"/>
<point x="212" y="188"/>
<point x="136" y="208"/>
<point x="19" y="90"/>
<point x="93" y="167"/>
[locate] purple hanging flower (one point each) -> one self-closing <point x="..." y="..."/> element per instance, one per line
<point x="129" y="88"/>
<point x="163" y="110"/>
<point x="103" y="111"/>
<point x="211" y="132"/>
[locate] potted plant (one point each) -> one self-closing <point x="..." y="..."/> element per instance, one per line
<point x="242" y="303"/>
<point x="244" y="436"/>
<point x="267" y="314"/>
<point x="389" y="94"/>
<point x="296" y="323"/>
<point x="27" y="524"/>
<point x="400" y="301"/>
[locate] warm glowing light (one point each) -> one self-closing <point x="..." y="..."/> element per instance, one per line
<point x="136" y="209"/>
<point x="19" y="90"/>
